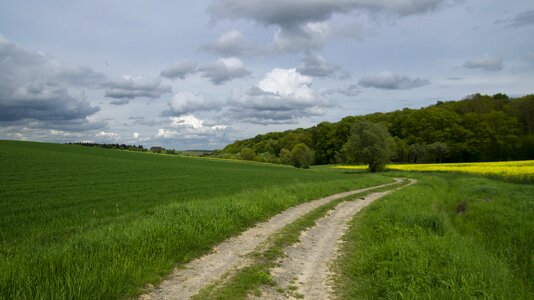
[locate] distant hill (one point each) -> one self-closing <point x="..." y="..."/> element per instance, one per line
<point x="478" y="128"/>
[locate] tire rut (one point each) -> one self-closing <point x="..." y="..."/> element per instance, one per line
<point x="188" y="280"/>
<point x="304" y="272"/>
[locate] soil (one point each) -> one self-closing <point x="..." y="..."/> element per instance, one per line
<point x="188" y="280"/>
<point x="305" y="273"/>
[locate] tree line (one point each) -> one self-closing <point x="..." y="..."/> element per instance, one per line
<point x="477" y="128"/>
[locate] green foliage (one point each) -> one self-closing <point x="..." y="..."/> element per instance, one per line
<point x="87" y="223"/>
<point x="247" y="154"/>
<point x="370" y="144"/>
<point x="478" y="128"/>
<point x="301" y="156"/>
<point x="285" y="157"/>
<point x="447" y="237"/>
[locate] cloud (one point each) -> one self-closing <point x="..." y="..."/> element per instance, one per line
<point x="349" y="91"/>
<point x="302" y="37"/>
<point x="192" y="129"/>
<point x="35" y="87"/>
<point x="232" y="43"/>
<point x="485" y="62"/>
<point x="523" y="19"/>
<point x="129" y="87"/>
<point x="301" y="23"/>
<point x="107" y="135"/>
<point x="186" y="102"/>
<point x="291" y="13"/>
<point x="81" y="76"/>
<point x="281" y="97"/>
<point x="223" y="70"/>
<point x="179" y="69"/>
<point x="316" y="66"/>
<point x="391" y="81"/>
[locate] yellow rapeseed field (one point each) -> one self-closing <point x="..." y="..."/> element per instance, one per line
<point x="518" y="170"/>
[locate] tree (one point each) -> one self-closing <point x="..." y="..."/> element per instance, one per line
<point x="247" y="154"/>
<point x="369" y="143"/>
<point x="438" y="151"/>
<point x="418" y="153"/>
<point x="301" y="156"/>
<point x="285" y="156"/>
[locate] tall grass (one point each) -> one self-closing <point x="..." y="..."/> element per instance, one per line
<point x="81" y="223"/>
<point x="447" y="237"/>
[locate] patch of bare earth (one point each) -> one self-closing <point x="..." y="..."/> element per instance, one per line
<point x="188" y="280"/>
<point x="304" y="272"/>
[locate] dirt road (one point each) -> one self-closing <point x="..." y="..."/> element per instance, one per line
<point x="185" y="282"/>
<point x="304" y="271"/>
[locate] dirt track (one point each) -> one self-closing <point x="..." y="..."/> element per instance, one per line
<point x="189" y="280"/>
<point x="304" y="272"/>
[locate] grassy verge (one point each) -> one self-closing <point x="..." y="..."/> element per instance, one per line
<point x="448" y="237"/>
<point x="85" y="223"/>
<point x="249" y="279"/>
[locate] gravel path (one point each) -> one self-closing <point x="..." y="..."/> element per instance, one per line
<point x="304" y="271"/>
<point x="187" y="281"/>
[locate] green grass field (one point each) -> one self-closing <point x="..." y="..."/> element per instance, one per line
<point x="450" y="236"/>
<point x="90" y="223"/>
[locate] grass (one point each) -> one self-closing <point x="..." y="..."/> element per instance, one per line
<point x="91" y="223"/>
<point x="450" y="236"/>
<point x="249" y="279"/>
<point x="514" y="171"/>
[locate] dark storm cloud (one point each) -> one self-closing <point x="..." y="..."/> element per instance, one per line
<point x="301" y="22"/>
<point x="179" y="70"/>
<point x="41" y="102"/>
<point x="129" y="87"/>
<point x="35" y="87"/>
<point x="391" y="81"/>
<point x="289" y="14"/>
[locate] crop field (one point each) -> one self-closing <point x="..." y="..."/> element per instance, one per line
<point x="450" y="236"/>
<point x="88" y="223"/>
<point x="519" y="171"/>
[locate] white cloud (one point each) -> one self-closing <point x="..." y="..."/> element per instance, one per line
<point x="187" y="102"/>
<point x="231" y="44"/>
<point x="224" y="69"/>
<point x="281" y="97"/>
<point x="105" y="134"/>
<point x="391" y="81"/>
<point x="189" y="127"/>
<point x="135" y="135"/>
<point x="485" y="62"/>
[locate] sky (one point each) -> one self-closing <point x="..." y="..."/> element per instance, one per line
<point x="201" y="74"/>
